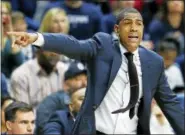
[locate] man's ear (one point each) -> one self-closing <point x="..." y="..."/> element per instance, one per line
<point x="9" y="125"/>
<point x="116" y="29"/>
<point x="71" y="107"/>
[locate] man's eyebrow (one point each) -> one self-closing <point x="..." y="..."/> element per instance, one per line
<point x="128" y="19"/>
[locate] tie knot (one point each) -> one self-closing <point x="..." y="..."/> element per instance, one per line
<point x="129" y="56"/>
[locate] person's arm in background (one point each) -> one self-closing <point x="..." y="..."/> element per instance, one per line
<point x="98" y="21"/>
<point x="169" y="104"/>
<point x="4" y="87"/>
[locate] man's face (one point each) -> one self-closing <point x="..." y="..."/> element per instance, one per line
<point x="169" y="57"/>
<point x="130" y="31"/>
<point x="77" y="99"/>
<point x="77" y="82"/>
<point x="48" y="60"/>
<point x="23" y="123"/>
<point x="20" y="25"/>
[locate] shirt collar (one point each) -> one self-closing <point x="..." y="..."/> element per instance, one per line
<point x="124" y="50"/>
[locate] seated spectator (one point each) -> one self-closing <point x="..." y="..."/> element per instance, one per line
<point x="85" y="18"/>
<point x="168" y="51"/>
<point x="56" y="21"/>
<point x="75" y="78"/>
<point x="5" y="102"/>
<point x="158" y="122"/>
<point x="11" y="58"/>
<point x="169" y="20"/>
<point x="61" y="122"/>
<point x="29" y="9"/>
<point x="19" y="118"/>
<point x="38" y="78"/>
<point x="4" y="86"/>
<point x="19" y="24"/>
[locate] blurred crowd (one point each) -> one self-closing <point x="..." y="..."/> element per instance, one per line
<point x="36" y="85"/>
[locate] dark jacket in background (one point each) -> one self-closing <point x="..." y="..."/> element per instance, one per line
<point x="56" y="101"/>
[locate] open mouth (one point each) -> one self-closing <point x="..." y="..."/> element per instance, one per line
<point x="133" y="38"/>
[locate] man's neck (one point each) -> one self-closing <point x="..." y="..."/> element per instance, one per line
<point x="74" y="4"/>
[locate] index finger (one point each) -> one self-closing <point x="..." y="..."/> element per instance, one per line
<point x="12" y="33"/>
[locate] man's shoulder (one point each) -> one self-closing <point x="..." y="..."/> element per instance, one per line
<point x="151" y="54"/>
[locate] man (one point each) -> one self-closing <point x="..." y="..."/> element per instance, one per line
<point x="19" y="118"/>
<point x="75" y="78"/>
<point x="37" y="78"/>
<point x="111" y="82"/>
<point x="61" y="122"/>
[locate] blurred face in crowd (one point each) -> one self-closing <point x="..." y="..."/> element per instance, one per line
<point x="175" y="6"/>
<point x="120" y="4"/>
<point x="47" y="60"/>
<point x="76" y="100"/>
<point x="5" y="15"/>
<point x="59" y="24"/>
<point x="130" y="31"/>
<point x="20" y="25"/>
<point x="169" y="57"/>
<point x="3" y="107"/>
<point x="77" y="82"/>
<point x="23" y="123"/>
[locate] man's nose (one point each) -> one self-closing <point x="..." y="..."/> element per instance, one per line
<point x="133" y="28"/>
<point x="30" y="128"/>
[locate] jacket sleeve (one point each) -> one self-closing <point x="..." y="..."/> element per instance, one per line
<point x="54" y="126"/>
<point x="169" y="104"/>
<point x="71" y="47"/>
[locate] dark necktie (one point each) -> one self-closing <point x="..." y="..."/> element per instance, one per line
<point x="134" y="86"/>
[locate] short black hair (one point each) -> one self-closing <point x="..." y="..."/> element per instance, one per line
<point x="122" y="13"/>
<point x="165" y="45"/>
<point x="10" y="111"/>
<point x="5" y="98"/>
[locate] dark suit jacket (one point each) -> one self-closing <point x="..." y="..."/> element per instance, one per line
<point x="103" y="57"/>
<point x="60" y="123"/>
<point x="52" y="103"/>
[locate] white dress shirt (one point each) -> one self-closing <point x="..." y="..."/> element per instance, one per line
<point x="117" y="97"/>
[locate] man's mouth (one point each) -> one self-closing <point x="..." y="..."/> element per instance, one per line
<point x="133" y="38"/>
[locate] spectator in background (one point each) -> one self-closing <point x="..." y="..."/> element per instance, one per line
<point x="169" y="20"/>
<point x="29" y="9"/>
<point x="158" y="123"/>
<point x="61" y="122"/>
<point x="11" y="58"/>
<point x="4" y="86"/>
<point x="37" y="78"/>
<point x="19" y="24"/>
<point x="168" y="51"/>
<point x="5" y="102"/>
<point x="85" y="18"/>
<point x="56" y="21"/>
<point x="109" y="20"/>
<point x="19" y="118"/>
<point x="75" y="78"/>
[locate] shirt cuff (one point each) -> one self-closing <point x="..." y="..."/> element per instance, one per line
<point x="40" y="40"/>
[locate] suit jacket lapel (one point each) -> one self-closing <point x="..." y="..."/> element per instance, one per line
<point x="116" y="63"/>
<point x="145" y="67"/>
